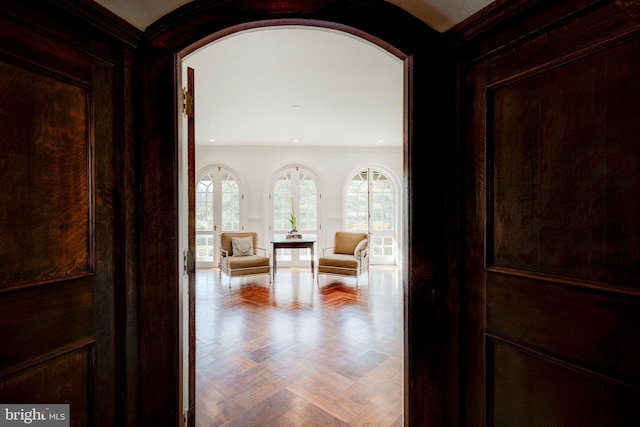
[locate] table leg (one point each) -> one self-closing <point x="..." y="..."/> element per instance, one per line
<point x="275" y="250"/>
<point x="313" y="268"/>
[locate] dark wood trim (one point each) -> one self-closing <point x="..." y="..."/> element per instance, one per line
<point x="60" y="39"/>
<point x="426" y="280"/>
<point x="570" y="324"/>
<point x="487" y="18"/>
<point x="563" y="363"/>
<point x="99" y="17"/>
<point x="128" y="238"/>
<point x="568" y="281"/>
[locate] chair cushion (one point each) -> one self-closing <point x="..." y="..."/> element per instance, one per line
<point x="345" y="242"/>
<point x="345" y="265"/>
<point x="245" y="265"/>
<point x="242" y="246"/>
<point x="247" y="261"/>
<point x="338" y="260"/>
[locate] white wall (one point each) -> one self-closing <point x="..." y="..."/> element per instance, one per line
<point x="256" y="167"/>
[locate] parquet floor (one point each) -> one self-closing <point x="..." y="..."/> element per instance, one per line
<point x="298" y="354"/>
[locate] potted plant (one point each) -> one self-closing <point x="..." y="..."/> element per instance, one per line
<point x="292" y="218"/>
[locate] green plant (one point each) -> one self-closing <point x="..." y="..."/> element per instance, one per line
<point x="292" y="218"/>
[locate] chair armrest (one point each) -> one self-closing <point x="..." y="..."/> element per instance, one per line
<point x="264" y="251"/>
<point x="224" y="252"/>
<point x="326" y="249"/>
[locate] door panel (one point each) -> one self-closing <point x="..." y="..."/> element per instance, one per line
<point x="50" y="170"/>
<point x="57" y="275"/>
<point x="191" y="242"/>
<point x="552" y="304"/>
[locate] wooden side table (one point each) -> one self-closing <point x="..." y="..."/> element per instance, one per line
<point x="293" y="244"/>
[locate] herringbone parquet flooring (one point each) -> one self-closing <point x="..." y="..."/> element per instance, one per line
<point x="297" y="354"/>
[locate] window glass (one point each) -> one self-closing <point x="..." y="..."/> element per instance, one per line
<point x="296" y="189"/>
<point x="230" y="203"/>
<point x="307" y="205"/>
<point x="370" y="206"/>
<point x="358" y="202"/>
<point x="217" y="209"/>
<point x="204" y="204"/>
<point x="282" y="203"/>
<point x="382" y="202"/>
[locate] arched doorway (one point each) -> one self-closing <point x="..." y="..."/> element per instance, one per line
<point x="354" y="118"/>
<point x="428" y="141"/>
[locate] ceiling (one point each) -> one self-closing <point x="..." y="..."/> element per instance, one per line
<point x="298" y="85"/>
<point x="439" y="14"/>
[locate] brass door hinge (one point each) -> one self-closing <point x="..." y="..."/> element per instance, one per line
<point x="187" y="103"/>
<point x="189" y="262"/>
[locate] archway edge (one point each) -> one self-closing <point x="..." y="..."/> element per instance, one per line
<point x="289" y="22"/>
<point x="198" y="23"/>
<point x="430" y="358"/>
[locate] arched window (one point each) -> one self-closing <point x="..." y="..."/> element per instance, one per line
<point x="295" y="191"/>
<point x="371" y="206"/>
<point x="218" y="199"/>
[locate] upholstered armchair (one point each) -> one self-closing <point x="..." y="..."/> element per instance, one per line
<point x="240" y="255"/>
<point x="349" y="255"/>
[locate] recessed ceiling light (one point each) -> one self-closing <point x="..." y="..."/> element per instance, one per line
<point x="380" y="141"/>
<point x="296" y="107"/>
<point x="296" y="140"/>
<point x="212" y="140"/>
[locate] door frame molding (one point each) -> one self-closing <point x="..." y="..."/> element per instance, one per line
<point x="430" y="353"/>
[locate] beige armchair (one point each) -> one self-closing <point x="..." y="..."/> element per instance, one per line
<point x="349" y="255"/>
<point x="240" y="255"/>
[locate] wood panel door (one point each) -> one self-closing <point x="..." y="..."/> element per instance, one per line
<point x="191" y="246"/>
<point x="58" y="270"/>
<point x="552" y="298"/>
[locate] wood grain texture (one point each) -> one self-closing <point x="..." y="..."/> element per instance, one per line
<point x="537" y="391"/>
<point x="550" y="300"/>
<point x="568" y="208"/>
<point x="46" y="164"/>
<point x="294" y="353"/>
<point x="63" y="301"/>
<point x="585" y="326"/>
<point x="63" y="377"/>
<point x="36" y="324"/>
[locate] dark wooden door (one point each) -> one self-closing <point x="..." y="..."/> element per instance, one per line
<point x="552" y="299"/>
<point x="58" y="257"/>
<point x="191" y="175"/>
